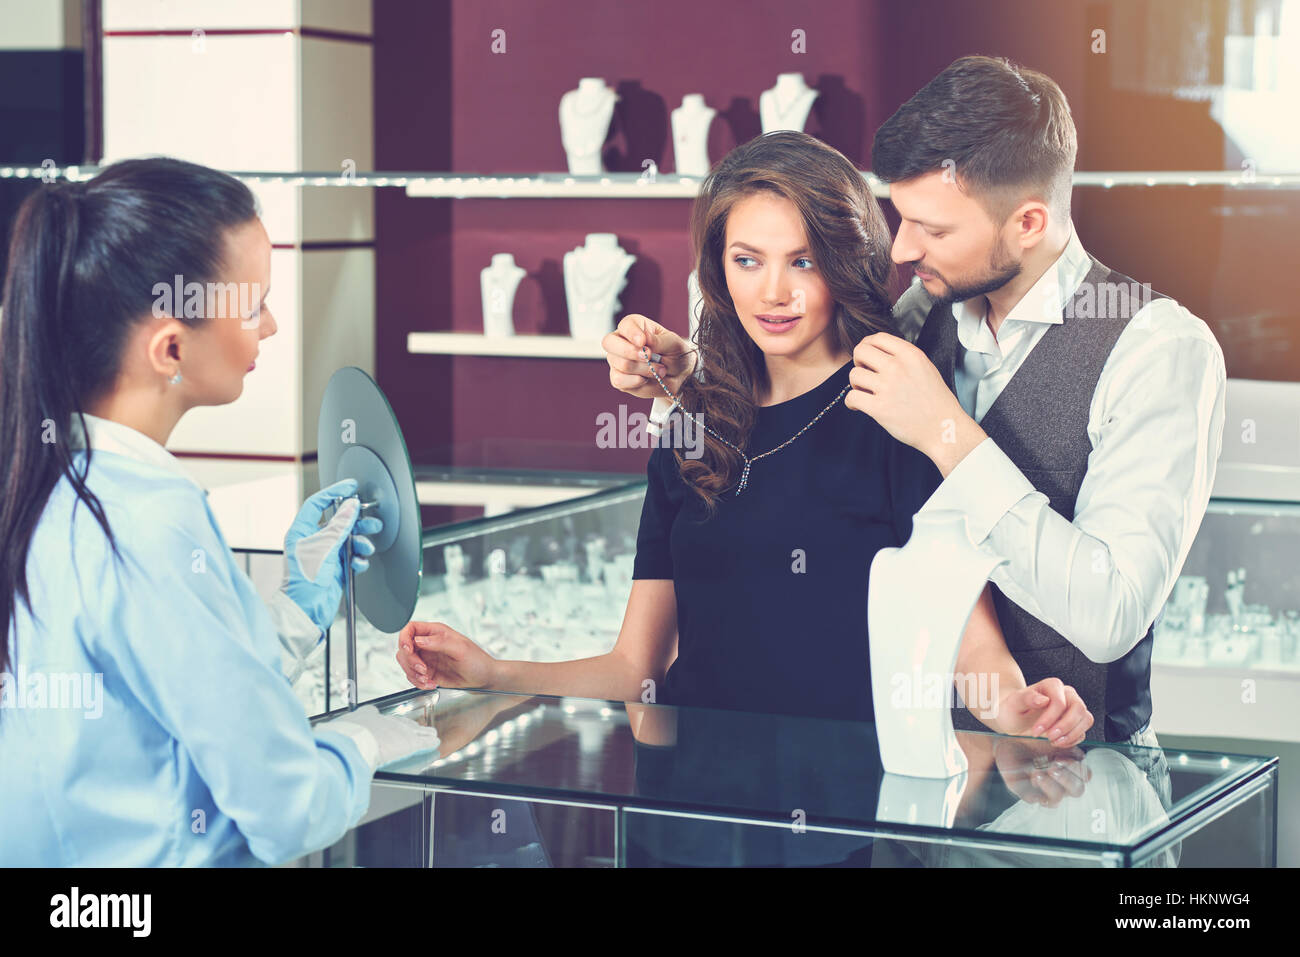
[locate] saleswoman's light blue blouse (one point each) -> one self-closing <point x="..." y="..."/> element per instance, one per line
<point x="145" y="719"/>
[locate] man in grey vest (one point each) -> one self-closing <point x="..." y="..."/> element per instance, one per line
<point x="1073" y="415"/>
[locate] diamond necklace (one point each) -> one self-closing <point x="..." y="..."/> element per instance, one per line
<point x="744" y="476"/>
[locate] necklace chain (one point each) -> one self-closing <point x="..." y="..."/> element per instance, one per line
<point x="749" y="460"/>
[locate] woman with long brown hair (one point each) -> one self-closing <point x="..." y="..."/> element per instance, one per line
<point x="750" y="580"/>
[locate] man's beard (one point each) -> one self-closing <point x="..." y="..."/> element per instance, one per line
<point x="1001" y="270"/>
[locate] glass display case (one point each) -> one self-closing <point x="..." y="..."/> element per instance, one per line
<point x="551" y="583"/>
<point x="542" y="781"/>
<point x="1225" y="662"/>
<point x="586" y="783"/>
<point x="1237" y="602"/>
<point x="547" y="583"/>
<point x="574" y="782"/>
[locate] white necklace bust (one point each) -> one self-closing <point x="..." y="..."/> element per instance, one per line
<point x="585" y="114"/>
<point x="594" y="275"/>
<point x="498" y="283"/>
<point x="786" y="105"/>
<point x="918" y="600"/>
<point x="691" y="122"/>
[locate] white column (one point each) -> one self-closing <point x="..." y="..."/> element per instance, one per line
<point x="294" y="95"/>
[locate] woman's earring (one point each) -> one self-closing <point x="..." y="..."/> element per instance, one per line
<point x="176" y="379"/>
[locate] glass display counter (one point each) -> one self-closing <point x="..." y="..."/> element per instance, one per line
<point x="1225" y="662"/>
<point x="547" y="583"/>
<point x="551" y="583"/>
<point x="542" y="781"/>
<point x="587" y="783"/>
<point x="1237" y="603"/>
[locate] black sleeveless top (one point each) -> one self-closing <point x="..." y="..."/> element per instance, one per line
<point x="772" y="591"/>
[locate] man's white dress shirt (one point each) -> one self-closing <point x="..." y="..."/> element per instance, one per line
<point x="1156" y="427"/>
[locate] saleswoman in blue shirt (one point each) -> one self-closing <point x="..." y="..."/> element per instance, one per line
<point x="144" y="718"/>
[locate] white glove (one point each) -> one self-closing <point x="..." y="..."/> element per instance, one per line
<point x="383" y="739"/>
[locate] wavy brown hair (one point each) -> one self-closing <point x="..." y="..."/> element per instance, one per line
<point x="849" y="242"/>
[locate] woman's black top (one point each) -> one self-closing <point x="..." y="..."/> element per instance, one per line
<point x="772" y="591"/>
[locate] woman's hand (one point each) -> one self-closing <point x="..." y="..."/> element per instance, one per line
<point x="435" y="656"/>
<point x="629" y="372"/>
<point x="1045" y="706"/>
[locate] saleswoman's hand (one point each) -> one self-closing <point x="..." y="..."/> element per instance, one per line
<point x="436" y="656"/>
<point x="314" y="575"/>
<point x="629" y="369"/>
<point x="1047" y="708"/>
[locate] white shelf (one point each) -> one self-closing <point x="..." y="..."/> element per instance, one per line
<point x="451" y="185"/>
<point x="477" y="344"/>
<point x="673" y="186"/>
<point x="557" y="186"/>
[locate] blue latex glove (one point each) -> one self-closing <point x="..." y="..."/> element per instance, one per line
<point x="313" y="556"/>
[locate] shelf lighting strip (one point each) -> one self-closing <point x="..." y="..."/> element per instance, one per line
<point x="630" y="185"/>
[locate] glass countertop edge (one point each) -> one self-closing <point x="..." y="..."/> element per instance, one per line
<point x="1254" y="767"/>
<point x="1199" y="800"/>
<point x="1225" y="505"/>
<point x="748" y="816"/>
<point x="396" y="697"/>
<point x="522" y="475"/>
<point x="458" y="531"/>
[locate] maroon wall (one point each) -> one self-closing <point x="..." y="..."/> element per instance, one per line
<point x="444" y="101"/>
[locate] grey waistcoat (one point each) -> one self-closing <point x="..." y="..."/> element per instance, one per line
<point x="1040" y="420"/>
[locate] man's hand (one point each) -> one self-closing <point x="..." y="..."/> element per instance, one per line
<point x="1038" y="773"/>
<point x="630" y="373"/>
<point x="1048" y="708"/>
<point x="896" y="384"/>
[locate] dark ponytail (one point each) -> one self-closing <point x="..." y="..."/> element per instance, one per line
<point x="83" y="262"/>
